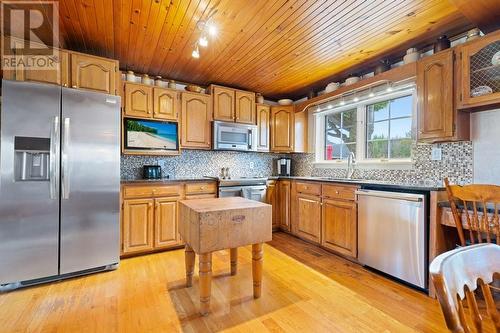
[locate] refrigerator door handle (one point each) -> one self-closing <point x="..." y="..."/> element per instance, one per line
<point x="65" y="160"/>
<point x="54" y="143"/>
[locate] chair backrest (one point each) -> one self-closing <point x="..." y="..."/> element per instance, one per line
<point x="480" y="207"/>
<point x="456" y="275"/>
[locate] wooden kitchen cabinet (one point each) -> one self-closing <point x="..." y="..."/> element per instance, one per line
<point x="137" y="225"/>
<point x="282" y="128"/>
<point x="93" y="73"/>
<point x="263" y="127"/>
<point x="284" y="204"/>
<point x="479" y="72"/>
<point x="272" y="198"/>
<point x="339" y="226"/>
<point x="301" y="132"/>
<point x="166" y="233"/>
<point x="138" y="100"/>
<point x="58" y="76"/>
<point x="165" y="104"/>
<point x="435" y="96"/>
<point x="195" y="121"/>
<point x="245" y="107"/>
<point x="223" y="103"/>
<point x="308" y="217"/>
<point x="438" y="119"/>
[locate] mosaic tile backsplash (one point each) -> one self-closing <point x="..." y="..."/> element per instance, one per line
<point x="456" y="163"/>
<point x="199" y="163"/>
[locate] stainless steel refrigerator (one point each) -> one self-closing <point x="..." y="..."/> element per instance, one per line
<point x="59" y="183"/>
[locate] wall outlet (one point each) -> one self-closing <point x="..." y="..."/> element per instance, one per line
<point x="251" y="165"/>
<point x="436" y="154"/>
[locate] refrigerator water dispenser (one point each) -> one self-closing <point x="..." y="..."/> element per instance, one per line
<point x="32" y="158"/>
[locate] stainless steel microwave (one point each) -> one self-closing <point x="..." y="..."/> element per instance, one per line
<point x="234" y="136"/>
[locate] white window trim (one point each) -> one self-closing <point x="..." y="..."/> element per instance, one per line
<point x="361" y="161"/>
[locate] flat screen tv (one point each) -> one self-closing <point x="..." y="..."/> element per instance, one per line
<point x="151" y="135"/>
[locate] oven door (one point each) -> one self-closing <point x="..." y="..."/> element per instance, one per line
<point x="230" y="191"/>
<point x="257" y="193"/>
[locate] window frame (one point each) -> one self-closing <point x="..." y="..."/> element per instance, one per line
<point x="361" y="133"/>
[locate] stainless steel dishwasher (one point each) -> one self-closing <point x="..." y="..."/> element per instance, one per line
<point x="392" y="235"/>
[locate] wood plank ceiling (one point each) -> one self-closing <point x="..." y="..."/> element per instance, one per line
<point x="277" y="47"/>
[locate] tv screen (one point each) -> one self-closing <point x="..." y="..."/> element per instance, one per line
<point x="151" y="135"/>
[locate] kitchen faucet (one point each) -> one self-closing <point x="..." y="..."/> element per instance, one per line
<point x="350" y="165"/>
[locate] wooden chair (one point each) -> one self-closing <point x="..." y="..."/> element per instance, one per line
<point x="480" y="204"/>
<point x="456" y="275"/>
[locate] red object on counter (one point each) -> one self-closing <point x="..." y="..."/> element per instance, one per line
<point x="329" y="152"/>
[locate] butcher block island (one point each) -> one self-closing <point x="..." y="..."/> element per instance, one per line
<point x="208" y="225"/>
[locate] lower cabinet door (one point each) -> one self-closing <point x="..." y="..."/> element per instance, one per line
<point x="339" y="227"/>
<point x="166" y="223"/>
<point x="273" y="200"/>
<point x="137" y="225"/>
<point x="308" y="217"/>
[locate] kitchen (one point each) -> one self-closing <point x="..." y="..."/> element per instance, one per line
<point x="164" y="127"/>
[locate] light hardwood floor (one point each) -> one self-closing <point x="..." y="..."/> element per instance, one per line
<point x="305" y="289"/>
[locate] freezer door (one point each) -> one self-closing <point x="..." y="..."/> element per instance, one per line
<point x="29" y="200"/>
<point x="392" y="234"/>
<point x="90" y="180"/>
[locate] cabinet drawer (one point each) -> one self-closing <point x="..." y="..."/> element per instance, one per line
<point x="201" y="196"/>
<point x="151" y="191"/>
<point x="196" y="188"/>
<point x="339" y="192"/>
<point x="308" y="188"/>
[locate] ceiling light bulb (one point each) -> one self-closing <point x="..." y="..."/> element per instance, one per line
<point x="212" y="30"/>
<point x="371" y="94"/>
<point x="330" y="106"/>
<point x="196" y="53"/>
<point x="342" y="103"/>
<point x="356" y="99"/>
<point x="203" y="41"/>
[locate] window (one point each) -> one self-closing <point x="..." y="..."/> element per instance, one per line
<point x="340" y="134"/>
<point x="388" y="130"/>
<point x="377" y="129"/>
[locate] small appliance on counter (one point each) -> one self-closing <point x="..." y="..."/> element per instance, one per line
<point x="284" y="166"/>
<point x="152" y="172"/>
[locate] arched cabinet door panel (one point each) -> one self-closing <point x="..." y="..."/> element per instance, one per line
<point x="195" y="121"/>
<point x="245" y="107"/>
<point x="93" y="73"/>
<point x="282" y="128"/>
<point x="138" y="100"/>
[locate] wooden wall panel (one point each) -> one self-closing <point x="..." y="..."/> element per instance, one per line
<point x="277" y="47"/>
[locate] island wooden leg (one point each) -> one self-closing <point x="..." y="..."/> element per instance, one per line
<point x="189" y="257"/>
<point x="205" y="282"/>
<point x="234" y="260"/>
<point x="257" y="259"/>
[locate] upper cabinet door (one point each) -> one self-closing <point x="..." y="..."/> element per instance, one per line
<point x="263" y="118"/>
<point x="282" y="128"/>
<point x="93" y="73"/>
<point x="245" y="107"/>
<point x="480" y="60"/>
<point x="223" y="103"/>
<point x="138" y="100"/>
<point x="435" y="96"/>
<point x="195" y="121"/>
<point x="165" y="104"/>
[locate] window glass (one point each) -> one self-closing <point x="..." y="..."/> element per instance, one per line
<point x="340" y="134"/>
<point x="388" y="130"/>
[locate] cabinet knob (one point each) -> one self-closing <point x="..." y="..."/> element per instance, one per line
<point x="75" y="86"/>
<point x="150" y="205"/>
<point x="202" y="187"/>
<point x="65" y="84"/>
<point x="336" y="192"/>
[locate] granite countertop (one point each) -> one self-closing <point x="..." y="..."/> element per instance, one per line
<point x="167" y="180"/>
<point x="365" y="183"/>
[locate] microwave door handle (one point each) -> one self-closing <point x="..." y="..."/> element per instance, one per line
<point x="250" y="139"/>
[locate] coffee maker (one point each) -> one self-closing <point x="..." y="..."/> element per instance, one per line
<point x="284" y="166"/>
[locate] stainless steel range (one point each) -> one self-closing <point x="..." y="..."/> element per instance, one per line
<point x="253" y="188"/>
